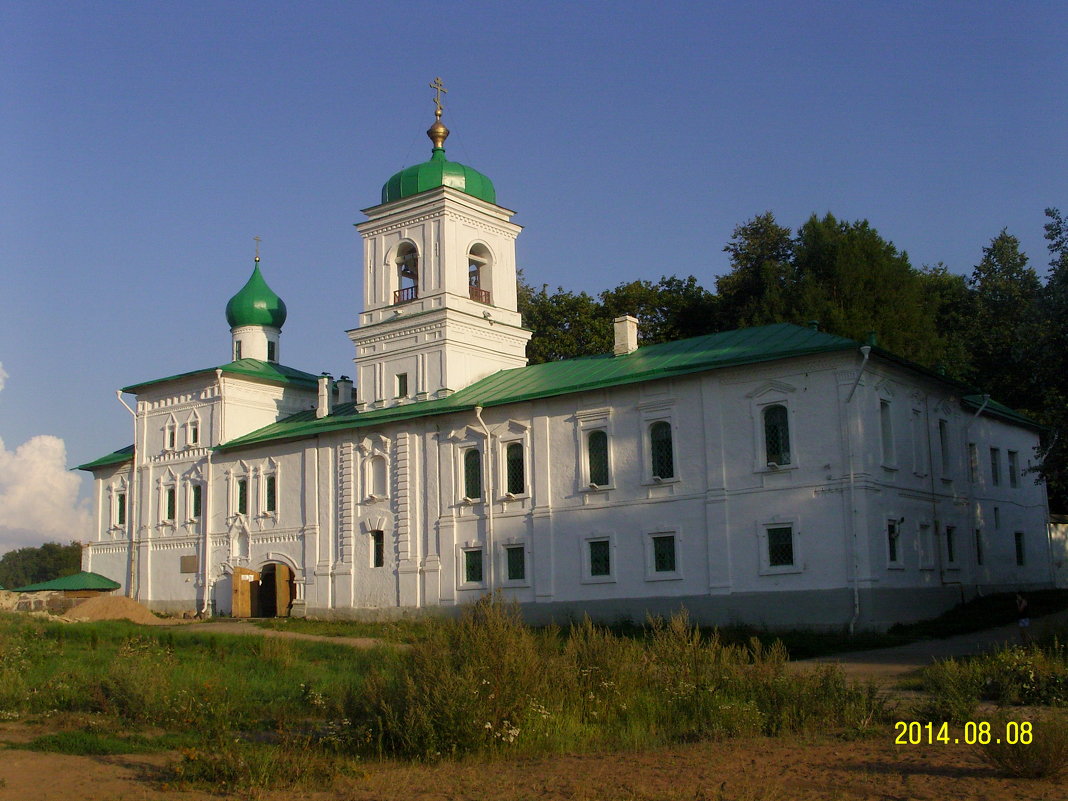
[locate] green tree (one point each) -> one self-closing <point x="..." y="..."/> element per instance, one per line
<point x="564" y="325"/>
<point x="43" y="563"/>
<point x="951" y="304"/>
<point x="1053" y="361"/>
<point x="674" y="308"/>
<point x="1006" y="324"/>
<point x="758" y="288"/>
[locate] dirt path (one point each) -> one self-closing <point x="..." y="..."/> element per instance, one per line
<point x="245" y="627"/>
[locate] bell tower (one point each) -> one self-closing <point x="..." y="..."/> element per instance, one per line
<point x="440" y="309"/>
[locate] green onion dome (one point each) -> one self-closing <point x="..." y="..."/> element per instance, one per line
<point x="439" y="171"/>
<point x="256" y="304"/>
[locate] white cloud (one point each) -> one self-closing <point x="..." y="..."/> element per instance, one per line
<point x="39" y="496"/>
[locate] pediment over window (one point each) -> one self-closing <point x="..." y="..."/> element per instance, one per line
<point x="779" y="387"/>
<point x="369" y="524"/>
<point x="886" y="388"/>
<point x="375" y="443"/>
<point x="516" y="427"/>
<point x="465" y="434"/>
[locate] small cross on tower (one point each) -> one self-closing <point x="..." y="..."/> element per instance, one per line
<point x="438" y="88"/>
<point x="257" y="247"/>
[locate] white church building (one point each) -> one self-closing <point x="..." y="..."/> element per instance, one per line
<point x="776" y="476"/>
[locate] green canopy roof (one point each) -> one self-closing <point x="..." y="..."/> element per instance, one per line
<point x="252" y="368"/>
<point x="120" y="456"/>
<point x="79" y="581"/>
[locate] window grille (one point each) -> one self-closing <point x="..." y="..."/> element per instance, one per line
<point x="473" y="474"/>
<point x="242" y="496"/>
<point x="780" y="546"/>
<point x="517" y="567"/>
<point x="777" y="435"/>
<point x="378" y="551"/>
<point x="272" y="494"/>
<point x="664" y="553"/>
<point x="663" y="461"/>
<point x="515" y="468"/>
<point x="600" y="559"/>
<point x="597" y="452"/>
<point x="196" y="500"/>
<point x="473" y="566"/>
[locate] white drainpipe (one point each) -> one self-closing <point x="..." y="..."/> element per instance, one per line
<point x="489" y="497"/>
<point x="133" y="502"/>
<point x="866" y="350"/>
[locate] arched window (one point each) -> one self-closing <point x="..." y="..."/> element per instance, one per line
<point x="478" y="261"/>
<point x="660" y="448"/>
<point x="597" y="452"/>
<point x="517" y="481"/>
<point x="407" y="273"/>
<point x="776" y="435"/>
<point x="473" y="474"/>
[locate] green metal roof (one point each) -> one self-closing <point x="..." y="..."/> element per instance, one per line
<point x="996" y="409"/>
<point x="710" y="352"/>
<point x="438" y="172"/>
<point x="252" y="368"/>
<point x="118" y="457"/>
<point x="256" y="303"/>
<point x="79" y="581"/>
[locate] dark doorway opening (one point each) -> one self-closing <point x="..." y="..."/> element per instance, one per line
<point x="276" y="589"/>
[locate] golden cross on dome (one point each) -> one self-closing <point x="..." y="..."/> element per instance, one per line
<point x="438" y="88"/>
<point x="257" y="247"/>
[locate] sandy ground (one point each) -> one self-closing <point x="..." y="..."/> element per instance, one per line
<point x="819" y="769"/>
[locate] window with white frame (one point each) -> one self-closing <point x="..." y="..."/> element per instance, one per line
<point x="598" y="558"/>
<point x="979" y="546"/>
<point x="241" y="496"/>
<point x="472" y="461"/>
<point x="120" y="508"/>
<point x="170" y="434"/>
<point x="776" y="435"/>
<point x="919" y="443"/>
<point x="662" y="556"/>
<point x="272" y="350"/>
<point x="973" y="463"/>
<point x="1014" y="469"/>
<point x="1018" y="539"/>
<point x="515" y="563"/>
<point x="170" y="503"/>
<point x="995" y="467"/>
<point x="378" y="548"/>
<point x="515" y="469"/>
<point x="779" y="547"/>
<point x="894" y="556"/>
<point x="472" y="565"/>
<point x="196" y="492"/>
<point x="951" y="545"/>
<point x="997" y="517"/>
<point x="661" y="451"/>
<point x="886" y="432"/>
<point x="270" y="493"/>
<point x="597" y="458"/>
<point x="944" y="448"/>
<point x="401" y="385"/>
<point x="192" y="431"/>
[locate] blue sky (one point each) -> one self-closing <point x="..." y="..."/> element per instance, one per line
<point x="143" y="145"/>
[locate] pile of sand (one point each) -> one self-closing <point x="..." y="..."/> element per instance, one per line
<point x="113" y="607"/>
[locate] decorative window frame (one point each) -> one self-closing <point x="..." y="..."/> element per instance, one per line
<point x="995" y="466"/>
<point x="584" y="548"/>
<point x="193" y="426"/>
<point x="170" y="434"/>
<point x="165" y="484"/>
<point x="651" y="573"/>
<point x="898" y="522"/>
<point x="487" y="261"/>
<point x="370" y="448"/>
<point x="586" y="422"/>
<point x="767" y="394"/>
<point x="974" y="473"/>
<point x="242" y="471"/>
<point x="271" y="469"/>
<point x="462" y="549"/>
<point x="371" y="548"/>
<point x="920" y="436"/>
<point x="515" y="432"/>
<point x="884" y="394"/>
<point x="465" y="439"/>
<point x="952" y="558"/>
<point x="1013" y="469"/>
<point x="779" y="521"/>
<point x="502" y="561"/>
<point x="946" y="450"/>
<point x="117" y="488"/>
<point x="658" y="411"/>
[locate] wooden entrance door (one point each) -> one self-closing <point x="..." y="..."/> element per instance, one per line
<point x="283" y="590"/>
<point x="246" y="593"/>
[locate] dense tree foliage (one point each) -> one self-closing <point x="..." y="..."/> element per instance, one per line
<point x="44" y="563"/>
<point x="1000" y="330"/>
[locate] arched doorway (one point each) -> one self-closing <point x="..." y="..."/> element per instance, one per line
<point x="276" y="590"/>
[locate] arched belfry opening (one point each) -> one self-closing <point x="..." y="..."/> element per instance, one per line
<point x="407" y="273"/>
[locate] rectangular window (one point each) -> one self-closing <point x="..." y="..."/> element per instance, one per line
<point x="172" y="502"/>
<point x="926" y="546"/>
<point x="943" y="445"/>
<point x="402" y="385"/>
<point x="919" y="443"/>
<point x="516" y="558"/>
<point x="780" y="546"/>
<point x="517" y="482"/>
<point x="664" y="553"/>
<point x="951" y="544"/>
<point x="887" y="432"/>
<point x="597" y="453"/>
<point x="120" y="509"/>
<point x="600" y="558"/>
<point x="237" y="350"/>
<point x="997" y="517"/>
<point x="272" y="353"/>
<point x="271" y="491"/>
<point x="661" y="450"/>
<point x="242" y="496"/>
<point x="1014" y="469"/>
<point x="172" y="437"/>
<point x="1019" y="537"/>
<point x="893" y="544"/>
<point x="473" y="566"/>
<point x="187" y="564"/>
<point x="978" y="546"/>
<point x="196" y="500"/>
<point x="973" y="463"/>
<point x="194" y="433"/>
<point x="378" y="549"/>
<point x="473" y="474"/>
<point x="995" y="466"/>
